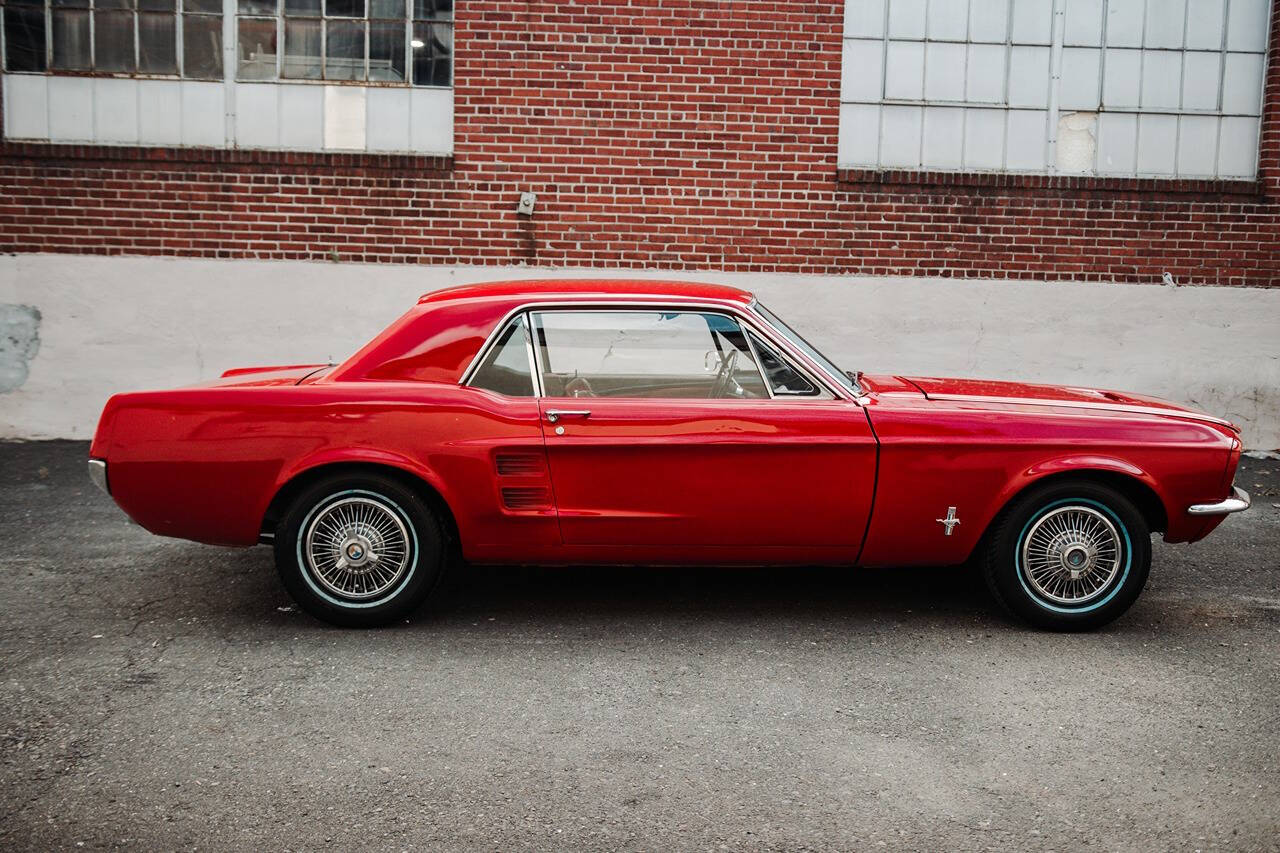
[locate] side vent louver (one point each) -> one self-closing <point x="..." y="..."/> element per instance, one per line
<point x="519" y="464"/>
<point x="531" y="498"/>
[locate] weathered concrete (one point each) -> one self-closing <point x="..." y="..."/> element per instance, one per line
<point x="113" y="324"/>
<point x="160" y="695"/>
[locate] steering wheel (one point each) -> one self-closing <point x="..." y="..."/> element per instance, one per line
<point x="724" y="376"/>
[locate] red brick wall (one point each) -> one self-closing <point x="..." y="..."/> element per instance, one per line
<point x="679" y="134"/>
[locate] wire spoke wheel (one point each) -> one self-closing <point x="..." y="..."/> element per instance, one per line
<point x="357" y="548"/>
<point x="1071" y="554"/>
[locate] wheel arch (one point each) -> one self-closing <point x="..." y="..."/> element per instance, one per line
<point x="300" y="480"/>
<point x="1131" y="483"/>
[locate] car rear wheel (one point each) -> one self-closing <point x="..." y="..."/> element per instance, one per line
<point x="359" y="551"/>
<point x="1068" y="556"/>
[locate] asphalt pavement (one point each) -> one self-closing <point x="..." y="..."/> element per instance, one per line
<point x="158" y="694"/>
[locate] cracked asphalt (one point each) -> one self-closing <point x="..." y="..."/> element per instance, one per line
<point x="157" y="694"/>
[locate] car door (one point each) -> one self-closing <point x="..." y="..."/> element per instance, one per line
<point x="662" y="431"/>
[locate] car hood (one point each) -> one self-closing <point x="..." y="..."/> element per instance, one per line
<point x="1069" y="396"/>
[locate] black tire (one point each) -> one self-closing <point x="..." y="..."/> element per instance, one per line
<point x="416" y="570"/>
<point x="1118" y="529"/>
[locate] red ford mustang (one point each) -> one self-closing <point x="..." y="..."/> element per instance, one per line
<point x="624" y="422"/>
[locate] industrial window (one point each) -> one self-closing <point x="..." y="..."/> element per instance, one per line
<point x="115" y="37"/>
<point x="1151" y="88"/>
<point x="383" y="41"/>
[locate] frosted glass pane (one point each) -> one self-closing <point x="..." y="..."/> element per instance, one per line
<point x="1204" y="24"/>
<point x="1161" y="86"/>
<point x="1157" y="141"/>
<point x="859" y="134"/>
<point x="900" y="137"/>
<point x="1247" y="25"/>
<point x="860" y="71"/>
<point x="864" y="18"/>
<point x="1242" y="83"/>
<point x="1238" y="148"/>
<point x="906" y="19"/>
<point x="943" y="137"/>
<point x="1124" y="23"/>
<point x="1029" y="76"/>
<point x="904" y="71"/>
<point x="948" y="19"/>
<point x="1032" y="20"/>
<point x="1078" y="88"/>
<point x="1117" y="138"/>
<point x="1083" y="23"/>
<point x="985" y="80"/>
<point x="984" y="139"/>
<point x="1026" y="140"/>
<point x="1200" y="81"/>
<point x="1197" y="145"/>
<point x="988" y="20"/>
<point x="1164" y="23"/>
<point x="1120" y="79"/>
<point x="944" y="72"/>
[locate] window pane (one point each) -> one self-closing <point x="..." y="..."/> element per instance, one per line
<point x="113" y="41"/>
<point x="784" y="378"/>
<point x="386" y="50"/>
<point x="805" y="347"/>
<point x="344" y="50"/>
<point x="432" y="49"/>
<point x="302" y="49"/>
<point x="214" y="6"/>
<point x="202" y="46"/>
<point x="344" y="8"/>
<point x="433" y="10"/>
<point x="70" y="4"/>
<point x="386" y="9"/>
<point x="654" y="354"/>
<point x="24" y="38"/>
<point x="157" y="5"/>
<point x="70" y="40"/>
<point x="506" y="368"/>
<point x="157" y="44"/>
<point x="256" y="49"/>
<point x="302" y="7"/>
<point x="257" y="7"/>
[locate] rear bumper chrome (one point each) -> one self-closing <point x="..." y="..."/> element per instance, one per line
<point x="98" y="474"/>
<point x="1238" y="502"/>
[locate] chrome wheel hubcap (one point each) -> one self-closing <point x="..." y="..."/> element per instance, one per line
<point x="357" y="548"/>
<point x="1071" y="554"/>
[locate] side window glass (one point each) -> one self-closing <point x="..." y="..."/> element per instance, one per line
<point x="653" y="354"/>
<point x="784" y="379"/>
<point x="505" y="368"/>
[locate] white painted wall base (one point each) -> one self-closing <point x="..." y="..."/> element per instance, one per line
<point x="115" y="324"/>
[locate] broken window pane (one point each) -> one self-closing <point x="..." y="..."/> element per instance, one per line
<point x="113" y="41"/>
<point x="257" y="49"/>
<point x="71" y="40"/>
<point x="202" y="46"/>
<point x="344" y="50"/>
<point x="24" y="38"/>
<point x="157" y="43"/>
<point x="386" y="50"/>
<point x="302" y="49"/>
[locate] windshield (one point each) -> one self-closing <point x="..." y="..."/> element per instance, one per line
<point x="807" y="348"/>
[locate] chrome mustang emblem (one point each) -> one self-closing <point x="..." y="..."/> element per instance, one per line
<point x="950" y="521"/>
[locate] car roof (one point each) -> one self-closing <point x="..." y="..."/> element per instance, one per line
<point x="610" y="288"/>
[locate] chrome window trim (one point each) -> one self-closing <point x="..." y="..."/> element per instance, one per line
<point x="844" y="393"/>
<point x="742" y="316"/>
<point x="492" y="341"/>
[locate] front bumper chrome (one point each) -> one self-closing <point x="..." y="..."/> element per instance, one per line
<point x="1238" y="502"/>
<point x="98" y="474"/>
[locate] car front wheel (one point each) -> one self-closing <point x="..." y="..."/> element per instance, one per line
<point x="359" y="551"/>
<point x="1068" y="556"/>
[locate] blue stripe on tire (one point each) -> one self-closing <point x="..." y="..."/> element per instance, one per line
<point x="1128" y="556"/>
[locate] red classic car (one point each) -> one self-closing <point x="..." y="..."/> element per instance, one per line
<point x="626" y="422"/>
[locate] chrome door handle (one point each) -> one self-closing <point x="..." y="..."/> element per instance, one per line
<point x="554" y="415"/>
